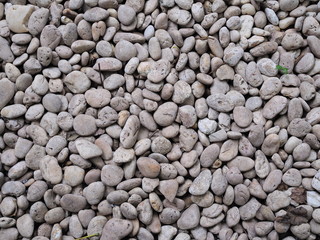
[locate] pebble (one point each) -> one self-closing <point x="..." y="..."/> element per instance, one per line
<point x="87" y="149"/>
<point x="201" y="184"/>
<point x="17" y="17"/>
<point x="50" y="169"/>
<point x="77" y="82"/>
<point x="189" y="218"/>
<point x="117" y="120"/>
<point x="73" y="203"/>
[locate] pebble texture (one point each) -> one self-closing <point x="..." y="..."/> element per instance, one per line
<point x="169" y="120"/>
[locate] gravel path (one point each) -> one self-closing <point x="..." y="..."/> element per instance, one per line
<point x="169" y="119"/>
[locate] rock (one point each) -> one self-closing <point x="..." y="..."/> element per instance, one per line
<point x="94" y="192"/>
<point x="111" y="175"/>
<point x="13" y="111"/>
<point x="166" y="114"/>
<point x="220" y="102"/>
<point x="107" y="64"/>
<point x="292" y="177"/>
<point x="25" y="225"/>
<point x="73" y="175"/>
<point x="274" y="106"/>
<point x="116" y="229"/>
<point x="50" y="169"/>
<point x="169" y="189"/>
<point x="271" y="144"/>
<point x="36" y="191"/>
<point x="73" y="203"/>
<point x="272" y="181"/>
<point x="301" y="231"/>
<point x="17" y="17"/>
<point x="179" y="16"/>
<point x="6" y="91"/>
<point x="87" y="149"/>
<point x="38" y="20"/>
<point x="219" y="182"/>
<point x="13" y="188"/>
<point x="305" y="64"/>
<point x="95" y="14"/>
<point x="299" y="127"/>
<point x="316" y="181"/>
<point x="292" y="41"/>
<point x="80" y="46"/>
<point x="123" y="155"/>
<point x="232" y="55"/>
<point x="126" y="14"/>
<point x="313" y="42"/>
<point x="77" y="82"/>
<point x="50" y="37"/>
<point x="5" y="51"/>
<point x="129" y="133"/>
<point x="242" y="116"/>
<point x="201" y="183"/>
<point x="277" y="200"/>
<point x="125" y="50"/>
<point x="249" y="210"/>
<point x="264" y="49"/>
<point x="190" y="218"/>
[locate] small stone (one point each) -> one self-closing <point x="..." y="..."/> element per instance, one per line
<point x="13" y="188"/>
<point x="305" y="64"/>
<point x="123" y="155"/>
<point x="94" y="192"/>
<point x="190" y="218"/>
<point x="169" y="189"/>
<point x="242" y="116"/>
<point x="129" y="133"/>
<point x="126" y="14"/>
<point x="220" y="102"/>
<point x="95" y="14"/>
<point x="25" y="225"/>
<point x="50" y="37"/>
<point x="201" y="183"/>
<point x="50" y="170"/>
<point x="17" y="17"/>
<point x="292" y="177"/>
<point x="77" y="82"/>
<point x="111" y="175"/>
<point x="272" y="181"/>
<point x="73" y="175"/>
<point x="274" y="106"/>
<point x="107" y="64"/>
<point x="6" y="92"/>
<point x="316" y="181"/>
<point x="38" y="20"/>
<point x="125" y="50"/>
<point x="292" y="41"/>
<point x="166" y="114"/>
<point x="13" y="111"/>
<point x="299" y="127"/>
<point x="277" y="200"/>
<point x="73" y="203"/>
<point x="84" y="125"/>
<point x="87" y="149"/>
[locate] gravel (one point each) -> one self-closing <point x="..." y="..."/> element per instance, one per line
<point x="171" y="119"/>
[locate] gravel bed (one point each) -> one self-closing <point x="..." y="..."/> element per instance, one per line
<point x="169" y="119"/>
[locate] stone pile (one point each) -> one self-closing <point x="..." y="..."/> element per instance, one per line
<point x="170" y="119"/>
